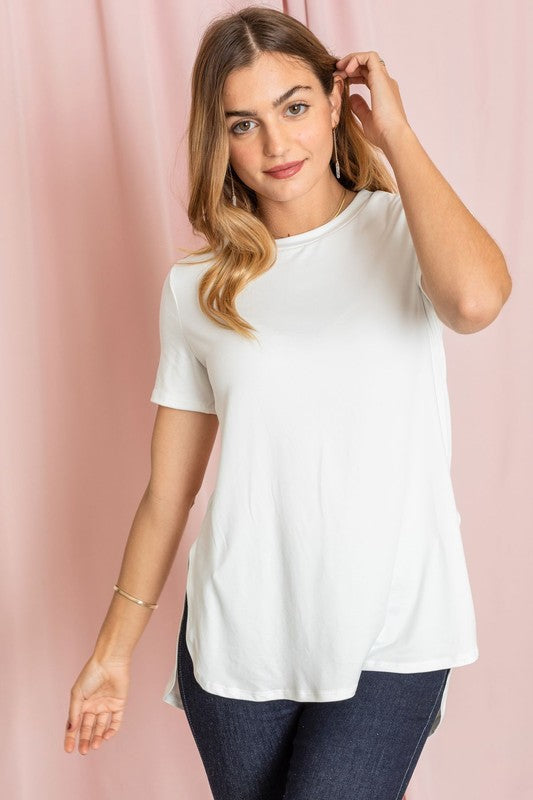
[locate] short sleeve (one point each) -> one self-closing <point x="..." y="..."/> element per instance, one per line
<point x="419" y="280"/>
<point x="430" y="308"/>
<point x="406" y="245"/>
<point x="416" y="272"/>
<point x="181" y="379"/>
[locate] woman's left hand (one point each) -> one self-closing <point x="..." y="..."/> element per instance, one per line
<point x="387" y="115"/>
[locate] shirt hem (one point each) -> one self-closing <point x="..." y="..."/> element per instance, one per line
<point x="327" y="695"/>
<point x="183" y="403"/>
<point x="422" y="666"/>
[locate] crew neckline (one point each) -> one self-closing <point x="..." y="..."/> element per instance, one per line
<point x="314" y="233"/>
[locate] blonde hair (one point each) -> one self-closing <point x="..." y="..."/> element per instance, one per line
<point x="238" y="243"/>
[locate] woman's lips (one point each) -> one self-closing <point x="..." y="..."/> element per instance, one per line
<point x="287" y="172"/>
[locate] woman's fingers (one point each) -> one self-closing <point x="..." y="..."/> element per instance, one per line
<point x="100" y="726"/>
<point x="70" y="740"/>
<point x="74" y="714"/>
<point x="86" y="731"/>
<point x="114" y="725"/>
<point x="93" y="730"/>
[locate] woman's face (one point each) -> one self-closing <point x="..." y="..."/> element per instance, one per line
<point x="270" y="123"/>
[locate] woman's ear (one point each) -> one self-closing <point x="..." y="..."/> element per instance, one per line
<point x="335" y="99"/>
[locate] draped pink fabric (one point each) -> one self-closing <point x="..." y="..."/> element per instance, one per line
<point x="95" y="101"/>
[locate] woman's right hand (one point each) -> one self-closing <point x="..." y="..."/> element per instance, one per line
<point x="97" y="702"/>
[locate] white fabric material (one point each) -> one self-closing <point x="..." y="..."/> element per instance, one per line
<point x="331" y="542"/>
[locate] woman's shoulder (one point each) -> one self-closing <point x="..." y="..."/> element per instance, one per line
<point x="195" y="259"/>
<point x="385" y="199"/>
<point x="383" y="211"/>
<point x="191" y="266"/>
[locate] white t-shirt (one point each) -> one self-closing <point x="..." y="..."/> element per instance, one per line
<point x="331" y="542"/>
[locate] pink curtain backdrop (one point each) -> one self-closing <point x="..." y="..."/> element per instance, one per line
<point x="95" y="100"/>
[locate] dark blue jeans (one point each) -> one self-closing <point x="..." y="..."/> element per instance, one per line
<point x="363" y="748"/>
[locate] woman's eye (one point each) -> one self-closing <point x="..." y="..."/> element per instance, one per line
<point x="238" y="130"/>
<point x="244" y="122"/>
<point x="298" y="105"/>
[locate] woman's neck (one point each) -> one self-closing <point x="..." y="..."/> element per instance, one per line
<point x="291" y="217"/>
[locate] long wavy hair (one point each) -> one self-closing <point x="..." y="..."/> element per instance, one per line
<point x="239" y="245"/>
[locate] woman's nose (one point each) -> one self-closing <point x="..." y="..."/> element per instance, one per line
<point x="273" y="142"/>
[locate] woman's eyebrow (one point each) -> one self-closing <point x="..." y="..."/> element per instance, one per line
<point x="275" y="104"/>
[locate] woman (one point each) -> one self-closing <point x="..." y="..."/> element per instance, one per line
<point x="327" y="594"/>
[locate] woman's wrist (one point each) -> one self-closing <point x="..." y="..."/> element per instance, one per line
<point x="121" y="629"/>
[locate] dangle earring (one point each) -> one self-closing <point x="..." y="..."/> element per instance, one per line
<point x="233" y="197"/>
<point x="337" y="166"/>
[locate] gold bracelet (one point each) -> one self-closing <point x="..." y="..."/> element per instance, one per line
<point x="135" y="599"/>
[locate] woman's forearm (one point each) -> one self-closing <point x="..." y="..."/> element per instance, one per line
<point x="148" y="557"/>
